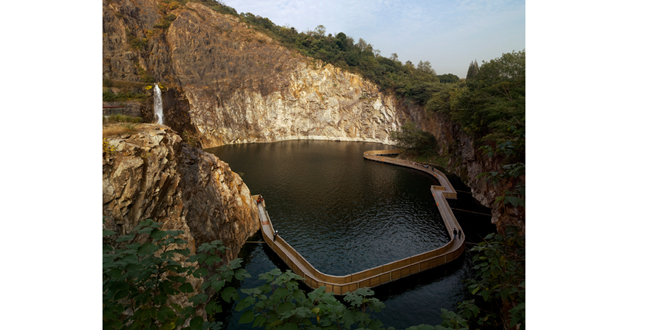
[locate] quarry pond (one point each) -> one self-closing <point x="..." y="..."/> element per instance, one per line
<point x="345" y="214"/>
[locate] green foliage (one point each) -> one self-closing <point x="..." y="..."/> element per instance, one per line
<point x="415" y="139"/>
<point x="142" y="274"/>
<point x="118" y="118"/>
<point x="491" y="106"/>
<point x="448" y="78"/>
<point x="499" y="284"/>
<point x="218" y="6"/>
<point x="473" y="70"/>
<point x="280" y="304"/>
<point x="109" y="96"/>
<point x="134" y="41"/>
<point x="164" y="23"/>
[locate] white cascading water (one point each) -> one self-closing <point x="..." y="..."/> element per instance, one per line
<point x="158" y="105"/>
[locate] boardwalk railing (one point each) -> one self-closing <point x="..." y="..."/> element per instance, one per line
<point x="384" y="273"/>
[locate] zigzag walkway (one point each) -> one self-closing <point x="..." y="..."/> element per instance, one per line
<point x="381" y="274"/>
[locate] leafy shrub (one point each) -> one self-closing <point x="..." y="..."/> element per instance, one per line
<point x="415" y="139"/>
<point x="141" y="274"/>
<point x="499" y="283"/>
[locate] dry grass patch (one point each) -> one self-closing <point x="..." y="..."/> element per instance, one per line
<point x="121" y="128"/>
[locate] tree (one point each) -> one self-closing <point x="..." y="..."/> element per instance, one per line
<point x="510" y="67"/>
<point x="426" y="67"/>
<point x="473" y="69"/>
<point x="320" y="30"/>
<point x="415" y="139"/>
<point x="361" y="44"/>
<point x="448" y="78"/>
<point x="394" y="57"/>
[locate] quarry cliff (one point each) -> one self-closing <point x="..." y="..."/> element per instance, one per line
<point x="151" y="174"/>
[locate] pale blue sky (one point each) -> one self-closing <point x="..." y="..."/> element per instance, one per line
<point x="449" y="34"/>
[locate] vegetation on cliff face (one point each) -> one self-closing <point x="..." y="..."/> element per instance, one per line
<point x="416" y="140"/>
<point x="490" y="107"/>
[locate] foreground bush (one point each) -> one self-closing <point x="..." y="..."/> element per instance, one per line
<point x="143" y="274"/>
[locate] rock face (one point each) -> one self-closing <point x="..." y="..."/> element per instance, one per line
<point x="152" y="175"/>
<point x="241" y="86"/>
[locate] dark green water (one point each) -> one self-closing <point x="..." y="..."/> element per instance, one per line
<point x="346" y="214"/>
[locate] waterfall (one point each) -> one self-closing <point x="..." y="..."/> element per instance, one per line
<point x="158" y="106"/>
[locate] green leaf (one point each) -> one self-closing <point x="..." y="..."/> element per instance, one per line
<point x="485" y="294"/>
<point x="186" y="288"/>
<point x="241" y="273"/>
<point x="259" y="321"/>
<point x="212" y="307"/>
<point x="515" y="201"/>
<point x="247" y="317"/>
<point x="228" y="293"/>
<point x="285" y="307"/>
<point x="200" y="273"/>
<point x="107" y="233"/>
<point x="196" y="323"/>
<point x="290" y="326"/>
<point x="274" y="323"/>
<point x="198" y="299"/>
<point x="212" y="259"/>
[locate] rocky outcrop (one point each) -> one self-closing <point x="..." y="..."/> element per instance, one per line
<point x="152" y="175"/>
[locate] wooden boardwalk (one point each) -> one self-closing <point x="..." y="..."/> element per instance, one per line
<point x="384" y="273"/>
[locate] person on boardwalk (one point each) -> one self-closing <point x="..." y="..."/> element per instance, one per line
<point x="275" y="235"/>
<point x="454" y="232"/>
<point x="260" y="199"/>
<point x="459" y="234"/>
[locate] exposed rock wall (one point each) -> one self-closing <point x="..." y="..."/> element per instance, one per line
<point x="152" y="175"/>
<point x="243" y="87"/>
